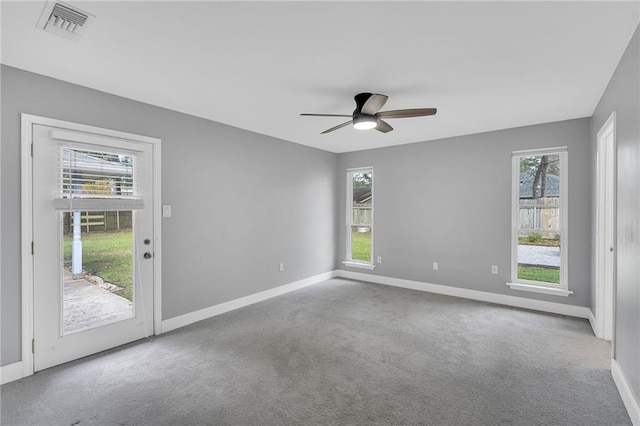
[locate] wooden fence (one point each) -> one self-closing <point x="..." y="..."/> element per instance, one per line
<point x="541" y="215"/>
<point x="99" y="221"/>
<point x="362" y="215"/>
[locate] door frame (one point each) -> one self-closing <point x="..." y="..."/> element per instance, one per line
<point x="26" y="188"/>
<point x="605" y="325"/>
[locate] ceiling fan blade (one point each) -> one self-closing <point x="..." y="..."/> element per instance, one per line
<point x="374" y="103"/>
<point x="360" y="99"/>
<point x="383" y="126"/>
<point x="339" y="126"/>
<point x="407" y="113"/>
<point x="326" y="115"/>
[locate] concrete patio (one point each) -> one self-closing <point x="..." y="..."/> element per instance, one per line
<point x="87" y="305"/>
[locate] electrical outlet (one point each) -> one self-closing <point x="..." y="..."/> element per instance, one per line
<point x="379" y="259"/>
<point x="494" y="269"/>
<point x="166" y="210"/>
<point x="281" y="267"/>
<point x="435" y="266"/>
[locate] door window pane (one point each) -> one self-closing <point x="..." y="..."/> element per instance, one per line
<point x="97" y="270"/>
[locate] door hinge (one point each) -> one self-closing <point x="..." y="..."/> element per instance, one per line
<point x="32" y="248"/>
<point x="33" y="346"/>
<point x="32" y="150"/>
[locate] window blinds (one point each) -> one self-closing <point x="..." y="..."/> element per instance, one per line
<point x="94" y="180"/>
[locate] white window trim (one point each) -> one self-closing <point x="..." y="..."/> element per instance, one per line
<point x="362" y="265"/>
<point x="537" y="288"/>
<point x="349" y="204"/>
<point x="561" y="289"/>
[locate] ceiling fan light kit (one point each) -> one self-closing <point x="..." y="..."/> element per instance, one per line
<point x="364" y="122"/>
<point x="367" y="114"/>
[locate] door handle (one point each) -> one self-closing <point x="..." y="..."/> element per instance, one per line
<point x="147" y="255"/>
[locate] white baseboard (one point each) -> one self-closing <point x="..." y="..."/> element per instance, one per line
<point x="628" y="397"/>
<point x="11" y="372"/>
<point x="594" y="324"/>
<point x="501" y="299"/>
<point x="191" y="317"/>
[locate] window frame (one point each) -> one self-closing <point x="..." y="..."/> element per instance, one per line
<point x="562" y="288"/>
<point x="349" y="218"/>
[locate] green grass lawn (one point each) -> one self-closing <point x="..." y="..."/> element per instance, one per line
<point x="361" y="246"/>
<point x="108" y="255"/>
<point x="548" y="242"/>
<point x="534" y="273"/>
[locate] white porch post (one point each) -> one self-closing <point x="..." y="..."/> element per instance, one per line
<point x="76" y="248"/>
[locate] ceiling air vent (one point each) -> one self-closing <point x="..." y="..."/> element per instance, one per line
<point x="64" y="20"/>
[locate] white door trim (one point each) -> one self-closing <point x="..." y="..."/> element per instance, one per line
<point x="26" y="187"/>
<point x="604" y="323"/>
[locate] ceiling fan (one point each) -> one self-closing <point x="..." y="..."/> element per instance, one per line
<point x="367" y="114"/>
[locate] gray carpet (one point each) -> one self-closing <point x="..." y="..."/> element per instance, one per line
<point x="344" y="353"/>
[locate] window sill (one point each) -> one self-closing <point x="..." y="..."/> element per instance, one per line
<point x="540" y="289"/>
<point x="361" y="265"/>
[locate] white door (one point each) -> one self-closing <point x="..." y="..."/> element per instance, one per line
<point x="93" y="243"/>
<point x="605" y="237"/>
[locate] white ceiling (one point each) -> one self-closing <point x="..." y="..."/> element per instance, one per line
<point x="258" y="65"/>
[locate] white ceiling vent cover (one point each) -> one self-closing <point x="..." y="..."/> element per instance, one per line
<point x="64" y="20"/>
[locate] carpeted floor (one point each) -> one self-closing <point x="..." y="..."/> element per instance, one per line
<point x="341" y="353"/>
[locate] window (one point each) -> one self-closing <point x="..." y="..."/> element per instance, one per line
<point x="360" y="218"/>
<point x="539" y="221"/>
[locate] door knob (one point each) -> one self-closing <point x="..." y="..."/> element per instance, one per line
<point x="147" y="255"/>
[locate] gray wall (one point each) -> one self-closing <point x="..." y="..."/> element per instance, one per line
<point x="242" y="202"/>
<point x="449" y="201"/>
<point x="623" y="96"/>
